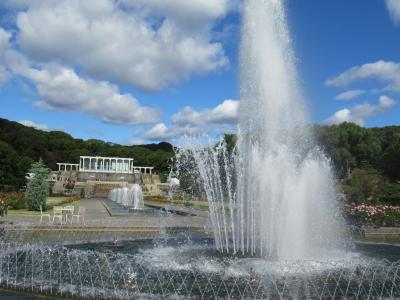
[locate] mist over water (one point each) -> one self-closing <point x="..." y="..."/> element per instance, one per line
<point x="274" y="195"/>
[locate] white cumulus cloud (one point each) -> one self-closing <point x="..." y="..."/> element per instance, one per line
<point x="62" y="89"/>
<point x="393" y="6"/>
<point x="359" y="113"/>
<point x="148" y="44"/>
<point x="4" y="46"/>
<point x="224" y="113"/>
<point x="387" y="72"/>
<point x="348" y="95"/>
<point x="189" y="121"/>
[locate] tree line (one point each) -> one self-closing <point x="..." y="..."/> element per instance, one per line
<point x="20" y="146"/>
<point x="365" y="161"/>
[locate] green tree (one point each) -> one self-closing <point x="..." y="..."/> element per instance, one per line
<point x="9" y="161"/>
<point x="38" y="186"/>
<point x="391" y="158"/>
<point x="390" y="192"/>
<point x="363" y="185"/>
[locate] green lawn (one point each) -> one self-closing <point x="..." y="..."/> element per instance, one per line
<point x="52" y="201"/>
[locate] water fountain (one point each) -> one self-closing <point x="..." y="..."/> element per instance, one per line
<point x="128" y="197"/>
<point x="274" y="196"/>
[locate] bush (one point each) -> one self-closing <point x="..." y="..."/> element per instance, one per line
<point x="38" y="187"/>
<point x="15" y="200"/>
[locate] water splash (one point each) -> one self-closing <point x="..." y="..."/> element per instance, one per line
<point x="128" y="197"/>
<point x="273" y="195"/>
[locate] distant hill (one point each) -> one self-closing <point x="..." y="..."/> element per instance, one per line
<point x="21" y="145"/>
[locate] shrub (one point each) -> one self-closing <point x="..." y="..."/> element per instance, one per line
<point x="15" y="200"/>
<point x="38" y="187"/>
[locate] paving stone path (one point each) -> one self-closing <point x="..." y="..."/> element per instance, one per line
<point x="97" y="216"/>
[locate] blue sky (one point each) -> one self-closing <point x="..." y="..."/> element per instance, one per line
<point x="141" y="71"/>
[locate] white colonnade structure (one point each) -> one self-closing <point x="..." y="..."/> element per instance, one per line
<point x="68" y="167"/>
<point x="111" y="165"/>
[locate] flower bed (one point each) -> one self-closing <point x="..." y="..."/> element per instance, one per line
<point x="381" y="215"/>
<point x="15" y="200"/>
<point x="11" y="200"/>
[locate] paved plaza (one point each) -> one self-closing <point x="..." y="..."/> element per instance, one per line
<point x="98" y="216"/>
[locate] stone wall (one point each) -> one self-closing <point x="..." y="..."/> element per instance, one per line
<point x="108" y="177"/>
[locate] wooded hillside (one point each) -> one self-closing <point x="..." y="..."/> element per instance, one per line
<point x="21" y="145"/>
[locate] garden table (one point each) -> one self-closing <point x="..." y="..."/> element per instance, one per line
<point x="67" y="211"/>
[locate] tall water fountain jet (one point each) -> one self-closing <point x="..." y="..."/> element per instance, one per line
<point x="274" y="196"/>
<point x="285" y="189"/>
<point x="136" y="197"/>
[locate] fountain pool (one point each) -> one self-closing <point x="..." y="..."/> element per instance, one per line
<point x="188" y="267"/>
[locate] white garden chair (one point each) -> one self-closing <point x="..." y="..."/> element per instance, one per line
<point x="57" y="214"/>
<point x="68" y="211"/>
<point x="79" y="215"/>
<point x="42" y="215"/>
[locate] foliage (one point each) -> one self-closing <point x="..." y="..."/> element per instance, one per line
<point x="381" y="215"/>
<point x="390" y="192"/>
<point x="350" y="146"/>
<point x="363" y="185"/>
<point x="12" y="167"/>
<point x="38" y="186"/>
<point x="15" y="200"/>
<point x="391" y="158"/>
